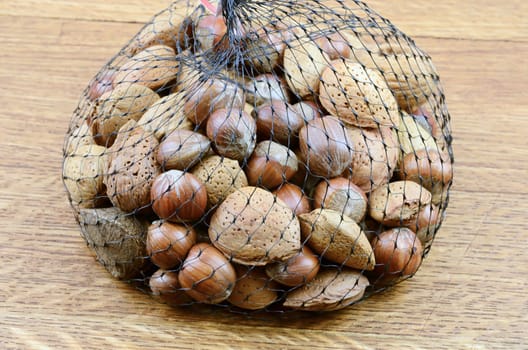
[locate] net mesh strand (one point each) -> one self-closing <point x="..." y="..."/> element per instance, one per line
<point x="262" y="156"/>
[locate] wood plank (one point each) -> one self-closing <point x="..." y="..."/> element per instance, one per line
<point x="469" y="293"/>
<point x="476" y="19"/>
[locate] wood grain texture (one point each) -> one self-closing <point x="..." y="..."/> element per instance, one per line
<point x="469" y="294"/>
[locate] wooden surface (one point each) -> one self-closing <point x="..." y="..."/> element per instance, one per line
<point x="469" y="294"/>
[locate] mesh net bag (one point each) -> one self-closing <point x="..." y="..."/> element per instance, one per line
<point x="283" y="155"/>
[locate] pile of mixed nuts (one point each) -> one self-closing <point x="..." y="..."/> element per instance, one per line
<point x="297" y="176"/>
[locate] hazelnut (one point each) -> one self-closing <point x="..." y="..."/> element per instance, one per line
<point x="101" y="84"/>
<point x="429" y="169"/>
<point x="253" y="227"/>
<point x="425" y="223"/>
<point x="206" y="275"/>
<point x="271" y="165"/>
<point x="202" y="100"/>
<point x="398" y="254"/>
<point x="164" y="285"/>
<point x="278" y="121"/>
<point x="332" y="289"/>
<point x="326" y="147"/>
<point x="296" y="271"/>
<point x="253" y="289"/>
<point x="335" y="46"/>
<point x="220" y="176"/>
<point x="178" y="196"/>
<point x="182" y="149"/>
<point x="397" y="202"/>
<point x="294" y="198"/>
<point x="337" y="238"/>
<point x="209" y="31"/>
<point x="168" y="244"/>
<point x="232" y="132"/>
<point x="341" y="195"/>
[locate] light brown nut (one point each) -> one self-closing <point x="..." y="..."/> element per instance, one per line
<point x="297" y="270"/>
<point x="253" y="227"/>
<point x="429" y="169"/>
<point x="358" y="96"/>
<point x="375" y="158"/>
<point x="278" y="121"/>
<point x="182" y="149"/>
<point x="341" y="195"/>
<point x="153" y="67"/>
<point x="325" y="146"/>
<point x="117" y="239"/>
<point x="304" y="62"/>
<point x="337" y="238"/>
<point x="220" y="176"/>
<point x="83" y="172"/>
<point x="168" y="244"/>
<point x="331" y="290"/>
<point x="414" y="137"/>
<point x="266" y="87"/>
<point x="80" y="136"/>
<point x="170" y="28"/>
<point x="203" y="99"/>
<point x="165" y="116"/>
<point x="232" y="133"/>
<point x="271" y="165"/>
<point x="253" y="289"/>
<point x="408" y="71"/>
<point x="132" y="168"/>
<point x="209" y="32"/>
<point x="397" y="202"/>
<point x="207" y="276"/>
<point x="115" y="108"/>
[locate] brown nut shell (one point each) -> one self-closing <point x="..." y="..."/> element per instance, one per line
<point x="294" y="198"/>
<point x="375" y="158"/>
<point x="304" y="62"/>
<point x="209" y="31"/>
<point x="207" y="276"/>
<point x="178" y="196"/>
<point x="253" y="289"/>
<point x="165" y="285"/>
<point x="341" y="195"/>
<point x="337" y="238"/>
<point x="271" y="165"/>
<point x="398" y="253"/>
<point x="358" y="96"/>
<point x="165" y="116"/>
<point x="296" y="271"/>
<point x="202" y="100"/>
<point x="278" y="121"/>
<point x="425" y="223"/>
<point x="182" y="149"/>
<point x="335" y="46"/>
<point x="82" y="172"/>
<point x="132" y="168"/>
<point x="330" y="290"/>
<point x="232" y="132"/>
<point x="168" y="244"/>
<point x="326" y="147"/>
<point x="115" y="108"/>
<point x="153" y="67"/>
<point x="265" y="47"/>
<point x="266" y="87"/>
<point x="220" y="176"/>
<point x="253" y="227"/>
<point x="397" y="202"/>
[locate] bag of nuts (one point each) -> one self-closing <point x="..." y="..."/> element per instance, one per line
<point x="262" y="155"/>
